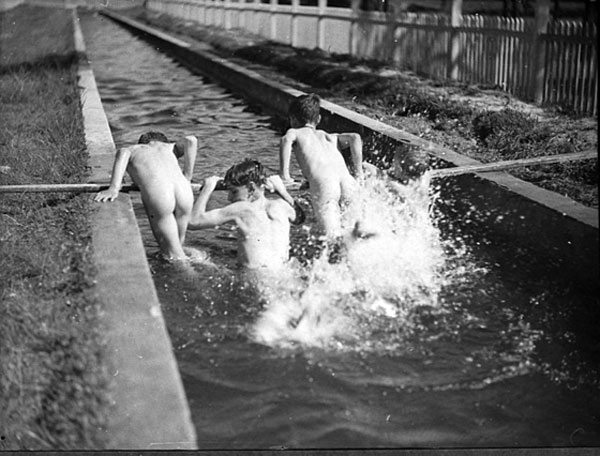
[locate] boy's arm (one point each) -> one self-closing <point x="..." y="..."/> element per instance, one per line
<point x="285" y="153"/>
<point x="190" y="150"/>
<point x="354" y="142"/>
<point x="201" y="218"/>
<point x="275" y="184"/>
<point x="118" y="171"/>
<point x="371" y="170"/>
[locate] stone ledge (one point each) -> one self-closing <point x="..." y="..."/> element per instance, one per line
<point x="149" y="410"/>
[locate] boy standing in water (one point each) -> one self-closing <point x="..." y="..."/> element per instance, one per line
<point x="166" y="191"/>
<point x="319" y="155"/>
<point x="409" y="164"/>
<point x="263" y="224"/>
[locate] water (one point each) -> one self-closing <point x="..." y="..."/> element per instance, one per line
<point x="425" y="336"/>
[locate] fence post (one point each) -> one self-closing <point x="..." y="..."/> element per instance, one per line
<point x="454" y="39"/>
<point x="322" y="6"/>
<point x="254" y="28"/>
<point x="294" y="30"/>
<point x="355" y="4"/>
<point x="542" y="18"/>
<point x="227" y="14"/>
<point x="393" y="14"/>
<point x="273" y="20"/>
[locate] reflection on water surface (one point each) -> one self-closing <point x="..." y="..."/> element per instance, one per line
<point x="484" y="350"/>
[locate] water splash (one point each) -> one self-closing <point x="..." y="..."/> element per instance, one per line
<point x="391" y="263"/>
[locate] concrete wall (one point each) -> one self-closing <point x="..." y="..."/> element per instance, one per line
<point x="8" y="4"/>
<point x="149" y="409"/>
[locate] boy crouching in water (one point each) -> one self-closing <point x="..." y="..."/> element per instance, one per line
<point x="263" y="224"/>
<point x="409" y="164"/>
<point x="332" y="186"/>
<point x="166" y="191"/>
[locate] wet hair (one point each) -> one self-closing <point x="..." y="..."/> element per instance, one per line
<point x="150" y="136"/>
<point x="306" y="108"/>
<point x="244" y="173"/>
<point x="414" y="161"/>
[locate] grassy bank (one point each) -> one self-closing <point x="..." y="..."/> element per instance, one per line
<point x="482" y="123"/>
<point x="53" y="381"/>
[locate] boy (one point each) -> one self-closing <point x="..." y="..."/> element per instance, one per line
<point x="263" y="224"/>
<point x="322" y="164"/>
<point x="165" y="189"/>
<point x="408" y="165"/>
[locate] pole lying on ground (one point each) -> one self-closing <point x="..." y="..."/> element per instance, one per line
<point x="510" y="164"/>
<point x="436" y="173"/>
<point x="92" y="188"/>
<point x="46" y="188"/>
<point x="75" y="188"/>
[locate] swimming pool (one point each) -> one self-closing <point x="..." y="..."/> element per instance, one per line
<point x="488" y="347"/>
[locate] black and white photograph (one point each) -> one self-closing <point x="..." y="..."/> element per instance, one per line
<point x="354" y="227"/>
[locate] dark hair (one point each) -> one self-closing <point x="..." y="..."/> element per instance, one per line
<point x="305" y="108"/>
<point x="244" y="173"/>
<point x="150" y="136"/>
<point x="414" y="161"/>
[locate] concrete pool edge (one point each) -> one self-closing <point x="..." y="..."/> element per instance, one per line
<point x="150" y="410"/>
<point x="570" y="228"/>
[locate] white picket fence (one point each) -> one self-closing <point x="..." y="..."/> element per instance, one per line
<point x="557" y="66"/>
<point x="571" y="76"/>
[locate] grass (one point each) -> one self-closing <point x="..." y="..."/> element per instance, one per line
<point x="54" y="379"/>
<point x="403" y="100"/>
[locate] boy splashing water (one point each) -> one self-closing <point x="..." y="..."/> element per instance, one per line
<point x="263" y="224"/>
<point x="381" y="274"/>
<point x="318" y="153"/>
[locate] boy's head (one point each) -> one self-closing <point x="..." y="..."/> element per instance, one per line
<point x="409" y="163"/>
<point x="243" y="179"/>
<point x="304" y="110"/>
<point x="150" y="136"/>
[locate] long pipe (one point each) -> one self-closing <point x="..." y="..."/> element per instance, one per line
<point x="436" y="173"/>
<point x="510" y="164"/>
<point x="91" y="188"/>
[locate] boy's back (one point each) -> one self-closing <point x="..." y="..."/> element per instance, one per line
<point x="263" y="228"/>
<point x="323" y="165"/>
<point x="263" y="224"/>
<point x="319" y="155"/>
<point x="153" y="163"/>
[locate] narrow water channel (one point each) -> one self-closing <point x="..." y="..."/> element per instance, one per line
<point x="496" y="355"/>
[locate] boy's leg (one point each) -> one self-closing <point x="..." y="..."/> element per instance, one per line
<point x="167" y="234"/>
<point x="349" y="191"/>
<point x="184" y="201"/>
<point x="326" y="206"/>
<point x="328" y="218"/>
<point x="159" y="208"/>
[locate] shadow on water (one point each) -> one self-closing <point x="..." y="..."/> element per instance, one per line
<point x="428" y="335"/>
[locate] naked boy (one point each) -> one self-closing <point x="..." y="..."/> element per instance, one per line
<point x="263" y="224"/>
<point x="332" y="186"/>
<point x="166" y="191"/>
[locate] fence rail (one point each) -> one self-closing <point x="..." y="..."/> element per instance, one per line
<point x="555" y="63"/>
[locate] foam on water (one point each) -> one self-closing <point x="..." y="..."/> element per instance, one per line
<point x="381" y="276"/>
